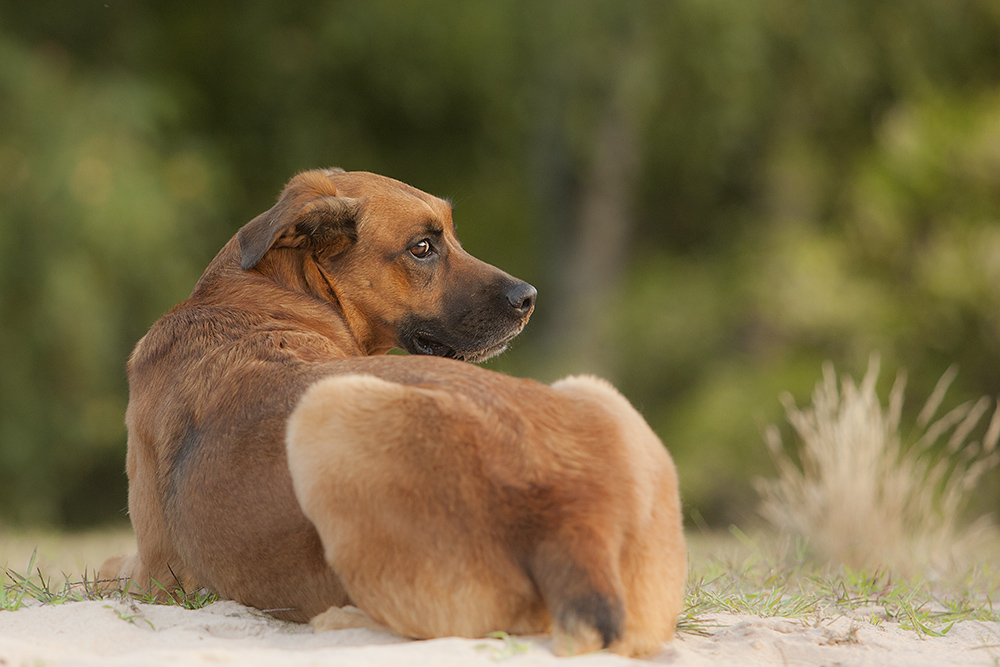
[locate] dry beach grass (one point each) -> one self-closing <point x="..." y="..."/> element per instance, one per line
<point x="864" y="496"/>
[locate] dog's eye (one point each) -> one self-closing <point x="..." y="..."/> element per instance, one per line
<point x="422" y="250"/>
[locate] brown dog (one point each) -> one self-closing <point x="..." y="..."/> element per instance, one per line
<point x="438" y="497"/>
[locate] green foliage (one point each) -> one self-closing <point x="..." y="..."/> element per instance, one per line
<point x="18" y="590"/>
<point x="12" y="595"/>
<point x="800" y="181"/>
<point x="178" y="596"/>
<point x="767" y="577"/>
<point x="95" y="216"/>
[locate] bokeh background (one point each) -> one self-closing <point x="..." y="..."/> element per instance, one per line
<point x="712" y="197"/>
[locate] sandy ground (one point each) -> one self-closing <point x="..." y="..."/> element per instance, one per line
<point x="225" y="633"/>
<point x="113" y="632"/>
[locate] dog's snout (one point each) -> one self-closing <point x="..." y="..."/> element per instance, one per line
<point x="521" y="297"/>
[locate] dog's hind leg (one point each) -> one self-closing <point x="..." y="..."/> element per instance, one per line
<point x="652" y="560"/>
<point x="155" y="568"/>
<point x="391" y="476"/>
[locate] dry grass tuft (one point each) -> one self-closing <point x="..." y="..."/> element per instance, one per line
<point x="863" y="499"/>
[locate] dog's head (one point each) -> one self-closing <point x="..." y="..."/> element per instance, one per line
<point x="387" y="255"/>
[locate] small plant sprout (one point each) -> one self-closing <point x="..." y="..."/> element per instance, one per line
<point x="511" y="646"/>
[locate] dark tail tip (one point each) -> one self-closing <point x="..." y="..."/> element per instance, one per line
<point x="602" y="612"/>
<point x="576" y="572"/>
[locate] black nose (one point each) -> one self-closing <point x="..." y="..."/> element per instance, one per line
<point x="521" y="297"/>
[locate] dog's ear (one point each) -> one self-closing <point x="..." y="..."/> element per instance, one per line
<point x="309" y="212"/>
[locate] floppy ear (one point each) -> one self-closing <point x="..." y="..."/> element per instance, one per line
<point x="308" y="212"/>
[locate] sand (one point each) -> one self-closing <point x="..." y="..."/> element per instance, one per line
<point x="113" y="632"/>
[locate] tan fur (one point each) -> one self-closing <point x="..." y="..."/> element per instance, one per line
<point x="345" y="618"/>
<point x="472" y="484"/>
<point x="440" y="498"/>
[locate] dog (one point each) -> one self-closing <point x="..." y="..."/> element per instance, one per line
<point x="278" y="457"/>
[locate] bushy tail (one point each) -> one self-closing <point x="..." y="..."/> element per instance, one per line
<point x="579" y="580"/>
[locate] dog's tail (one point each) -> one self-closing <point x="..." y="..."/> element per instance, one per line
<point x="577" y="574"/>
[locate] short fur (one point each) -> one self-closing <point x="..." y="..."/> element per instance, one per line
<point x="438" y="497"/>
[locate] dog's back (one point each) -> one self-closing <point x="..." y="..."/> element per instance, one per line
<point x="210" y="389"/>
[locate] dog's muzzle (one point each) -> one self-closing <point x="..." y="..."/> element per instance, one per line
<point x="477" y="333"/>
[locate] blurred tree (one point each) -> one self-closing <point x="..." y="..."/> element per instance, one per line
<point x="95" y="217"/>
<point x="711" y="197"/>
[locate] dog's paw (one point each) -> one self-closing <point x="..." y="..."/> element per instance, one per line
<point x="111" y="575"/>
<point x="345" y="618"/>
